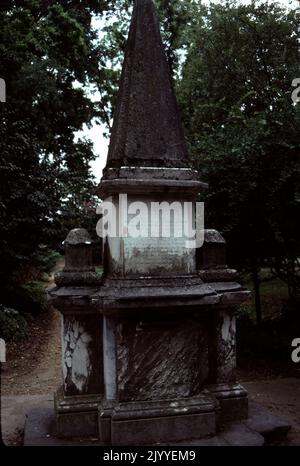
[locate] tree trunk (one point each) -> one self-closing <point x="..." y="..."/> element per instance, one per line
<point x="291" y="279"/>
<point x="256" y="283"/>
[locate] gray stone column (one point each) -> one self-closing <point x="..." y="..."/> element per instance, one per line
<point x="81" y="355"/>
<point x="109" y="359"/>
<point x="76" y="402"/>
<point x="231" y="395"/>
<point x="225" y="346"/>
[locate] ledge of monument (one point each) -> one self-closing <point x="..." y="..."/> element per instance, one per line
<point x="141" y="294"/>
<point x="201" y="403"/>
<point x="78" y="278"/>
<point x="73" y="299"/>
<point x="216" y="274"/>
<point x="149" y="186"/>
<point x="166" y="281"/>
<point x="151" y="173"/>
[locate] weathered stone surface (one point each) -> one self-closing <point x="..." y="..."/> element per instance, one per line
<point x="222" y="274"/>
<point x="161" y="358"/>
<point x="145" y="423"/>
<point x="89" y="278"/>
<point x="76" y="405"/>
<point x="77" y="425"/>
<point x="76" y="416"/>
<point x="164" y="429"/>
<point x="79" y="251"/>
<point x="213" y="252"/>
<point x="172" y="179"/>
<point x="158" y="245"/>
<point x="165" y="293"/>
<point x="147" y="129"/>
<point x="233" y="402"/>
<point x="67" y="404"/>
<point x="74" y="299"/>
<point x="82" y="357"/>
<point x="78" y="236"/>
<point x="203" y="403"/>
<point x="223" y="355"/>
<point x="110" y="359"/>
<point x="147" y="146"/>
<point x="157" y="186"/>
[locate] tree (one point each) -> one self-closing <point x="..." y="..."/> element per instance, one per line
<point x="49" y="58"/>
<point x="242" y="128"/>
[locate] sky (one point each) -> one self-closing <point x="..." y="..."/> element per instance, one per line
<point x="101" y="144"/>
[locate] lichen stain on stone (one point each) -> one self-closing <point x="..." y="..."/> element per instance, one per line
<point x="151" y="261"/>
<point x="227" y="347"/>
<point x="77" y="361"/>
<point x="226" y="327"/>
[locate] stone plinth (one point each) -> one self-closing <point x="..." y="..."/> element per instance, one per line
<point x="76" y="402"/>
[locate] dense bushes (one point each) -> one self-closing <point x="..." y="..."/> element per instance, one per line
<point x="23" y="294"/>
<point x="13" y="326"/>
<point x="45" y="176"/>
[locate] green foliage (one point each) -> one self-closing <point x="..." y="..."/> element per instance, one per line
<point x="267" y="348"/>
<point x="34" y="297"/>
<point x="13" y="326"/>
<point x="242" y="128"/>
<point x="49" y="59"/>
<point x="28" y="298"/>
<point x="46" y="260"/>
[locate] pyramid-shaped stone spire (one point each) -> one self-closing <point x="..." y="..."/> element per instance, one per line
<point x="147" y="130"/>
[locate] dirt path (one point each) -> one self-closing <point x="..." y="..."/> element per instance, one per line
<point x="282" y="397"/>
<point x="34" y="366"/>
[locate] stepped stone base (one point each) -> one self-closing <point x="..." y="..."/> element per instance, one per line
<point x="142" y="423"/>
<point x="261" y="427"/>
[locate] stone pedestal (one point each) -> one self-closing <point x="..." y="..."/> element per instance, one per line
<point x="76" y="402"/>
<point x="173" y="368"/>
<point x="149" y="423"/>
<point x="232" y="397"/>
<point x="149" y="359"/>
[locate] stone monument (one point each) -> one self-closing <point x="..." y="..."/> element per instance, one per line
<point x="149" y="348"/>
<point x="149" y="353"/>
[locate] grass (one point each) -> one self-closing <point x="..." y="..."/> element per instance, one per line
<point x="274" y="293"/>
<point x="266" y="350"/>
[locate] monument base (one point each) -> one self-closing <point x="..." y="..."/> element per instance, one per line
<point x="149" y="422"/>
<point x="260" y="428"/>
<point x="233" y="401"/>
<point x="76" y="416"/>
<point x="146" y="423"/>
